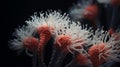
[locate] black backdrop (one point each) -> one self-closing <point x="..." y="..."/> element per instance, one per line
<point x="16" y="12"/>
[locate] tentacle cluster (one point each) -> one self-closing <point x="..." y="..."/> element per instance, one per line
<point x="70" y="36"/>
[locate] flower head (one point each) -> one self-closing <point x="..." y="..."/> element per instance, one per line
<point x="20" y="34"/>
<point x="74" y="33"/>
<point x="83" y="39"/>
<point x="115" y="2"/>
<point x="43" y="25"/>
<point x="91" y="12"/>
<point x="82" y="59"/>
<point x="76" y="12"/>
<point x="46" y="24"/>
<point x="49" y="19"/>
<point x="105" y="48"/>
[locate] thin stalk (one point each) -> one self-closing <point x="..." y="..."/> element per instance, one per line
<point x="40" y="61"/>
<point x="34" y="58"/>
<point x="54" y="57"/>
<point x="60" y="59"/>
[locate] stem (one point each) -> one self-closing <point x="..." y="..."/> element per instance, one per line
<point x="54" y="57"/>
<point x="108" y="64"/>
<point x="40" y="62"/>
<point x="72" y="64"/>
<point x="41" y="48"/>
<point x="60" y="60"/>
<point x="76" y="63"/>
<point x="34" y="58"/>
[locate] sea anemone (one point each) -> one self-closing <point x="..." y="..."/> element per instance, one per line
<point x="105" y="48"/>
<point x="76" y="12"/>
<point x="18" y="43"/>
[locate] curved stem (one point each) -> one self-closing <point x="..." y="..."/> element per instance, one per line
<point x="41" y="48"/>
<point x="41" y="60"/>
<point x="72" y="64"/>
<point x="54" y="57"/>
<point x="34" y="58"/>
<point x="60" y="60"/>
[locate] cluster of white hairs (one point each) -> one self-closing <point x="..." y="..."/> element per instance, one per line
<point x="110" y="51"/>
<point x="79" y="34"/>
<point x="76" y="12"/>
<point x="51" y="19"/>
<point x="20" y="34"/>
<point x="61" y="23"/>
<point x="111" y="44"/>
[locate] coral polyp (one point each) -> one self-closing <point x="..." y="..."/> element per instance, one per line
<point x="105" y="48"/>
<point x="79" y="35"/>
<point x="63" y="41"/>
<point x="98" y="51"/>
<point x="91" y="12"/>
<point x="30" y="43"/>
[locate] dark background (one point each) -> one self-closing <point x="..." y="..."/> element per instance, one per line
<point x="15" y="14"/>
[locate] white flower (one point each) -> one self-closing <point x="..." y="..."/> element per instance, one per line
<point x="78" y="34"/>
<point x="111" y="47"/>
<point x="20" y="34"/>
<point x="49" y="18"/>
<point x="76" y="12"/>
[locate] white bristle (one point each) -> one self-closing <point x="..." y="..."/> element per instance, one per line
<point x="112" y="45"/>
<point x="20" y="34"/>
<point x="50" y="18"/>
<point x="76" y="32"/>
<point x="76" y="12"/>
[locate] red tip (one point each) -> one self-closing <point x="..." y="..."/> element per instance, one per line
<point x="91" y="12"/>
<point x="30" y="43"/>
<point x="115" y="2"/>
<point x="116" y="35"/>
<point x="111" y="31"/>
<point x="95" y="51"/>
<point x="62" y="42"/>
<point x="43" y="29"/>
<point x="45" y="35"/>
<point x="82" y="59"/>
